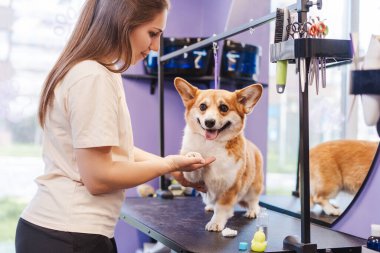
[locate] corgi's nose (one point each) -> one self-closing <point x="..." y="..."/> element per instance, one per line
<point x="210" y="123"/>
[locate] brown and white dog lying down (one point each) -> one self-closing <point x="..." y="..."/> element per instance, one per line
<point x="335" y="166"/>
<point x="215" y="121"/>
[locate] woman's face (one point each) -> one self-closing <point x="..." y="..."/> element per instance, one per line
<point x="146" y="37"/>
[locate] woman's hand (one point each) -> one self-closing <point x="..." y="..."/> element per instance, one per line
<point x="199" y="186"/>
<point x="180" y="163"/>
<point x="184" y="163"/>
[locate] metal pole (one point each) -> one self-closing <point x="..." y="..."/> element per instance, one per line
<point x="161" y="106"/>
<point x="304" y="139"/>
<point x="304" y="161"/>
<point x="252" y="24"/>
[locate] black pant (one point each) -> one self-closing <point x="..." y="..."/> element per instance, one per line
<point x="31" y="238"/>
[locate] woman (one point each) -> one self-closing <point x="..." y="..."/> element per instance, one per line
<point x="88" y="148"/>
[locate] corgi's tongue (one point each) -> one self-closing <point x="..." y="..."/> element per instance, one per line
<point x="211" y="134"/>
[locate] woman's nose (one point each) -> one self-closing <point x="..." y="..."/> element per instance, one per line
<point x="155" y="46"/>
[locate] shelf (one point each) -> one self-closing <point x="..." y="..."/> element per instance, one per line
<point x="333" y="50"/>
<point x="206" y="80"/>
<point x="365" y="82"/>
<point x="168" y="77"/>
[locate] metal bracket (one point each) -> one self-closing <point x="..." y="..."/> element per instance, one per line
<point x="293" y="243"/>
<point x="311" y="3"/>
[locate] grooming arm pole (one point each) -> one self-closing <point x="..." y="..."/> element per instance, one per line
<point x="292" y="242"/>
<point x="304" y="140"/>
<point x="252" y="24"/>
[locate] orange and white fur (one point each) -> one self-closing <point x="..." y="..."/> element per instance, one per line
<point x="336" y="166"/>
<point x="215" y="121"/>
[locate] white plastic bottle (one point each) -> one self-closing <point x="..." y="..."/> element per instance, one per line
<point x="263" y="221"/>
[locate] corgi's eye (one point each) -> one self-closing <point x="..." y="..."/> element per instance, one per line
<point x="203" y="107"/>
<point x="223" y="108"/>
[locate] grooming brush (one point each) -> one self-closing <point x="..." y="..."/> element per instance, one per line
<point x="281" y="34"/>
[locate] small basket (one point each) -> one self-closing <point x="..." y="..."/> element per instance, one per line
<point x="365" y="82"/>
<point x="240" y="60"/>
<point x="194" y="63"/>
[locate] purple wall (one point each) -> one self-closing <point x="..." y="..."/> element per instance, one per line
<point x="240" y="13"/>
<point x="366" y="209"/>
<point x="196" y="18"/>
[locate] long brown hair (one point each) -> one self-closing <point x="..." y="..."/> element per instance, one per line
<point x="102" y="31"/>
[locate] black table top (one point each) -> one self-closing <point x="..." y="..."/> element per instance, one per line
<point x="291" y="205"/>
<point x="179" y="223"/>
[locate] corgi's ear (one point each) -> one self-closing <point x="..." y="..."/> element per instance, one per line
<point x="249" y="96"/>
<point x="185" y="89"/>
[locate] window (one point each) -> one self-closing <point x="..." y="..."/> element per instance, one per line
<point x="328" y="111"/>
<point x="32" y="34"/>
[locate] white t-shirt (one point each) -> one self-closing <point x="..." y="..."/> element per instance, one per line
<point x="89" y="110"/>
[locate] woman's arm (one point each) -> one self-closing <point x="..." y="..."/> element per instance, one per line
<point x="141" y="155"/>
<point x="102" y="175"/>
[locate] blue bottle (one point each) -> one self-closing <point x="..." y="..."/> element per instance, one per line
<point x="373" y="241"/>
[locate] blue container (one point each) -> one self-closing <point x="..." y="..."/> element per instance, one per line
<point x="240" y="60"/>
<point x="373" y="242"/>
<point x="194" y="63"/>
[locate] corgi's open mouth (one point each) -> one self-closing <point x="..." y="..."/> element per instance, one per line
<point x="211" y="134"/>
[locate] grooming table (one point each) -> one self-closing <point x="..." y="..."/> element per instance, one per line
<point x="291" y="205"/>
<point x="179" y="223"/>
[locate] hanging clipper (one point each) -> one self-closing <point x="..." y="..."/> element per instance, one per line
<point x="313" y="31"/>
<point x="299" y="30"/>
<point x="323" y="31"/>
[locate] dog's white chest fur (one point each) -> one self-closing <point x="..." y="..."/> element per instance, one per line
<point x="221" y="174"/>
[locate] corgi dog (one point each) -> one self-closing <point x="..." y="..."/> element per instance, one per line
<point x="215" y="121"/>
<point x="335" y="166"/>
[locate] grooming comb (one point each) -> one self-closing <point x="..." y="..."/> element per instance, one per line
<point x="281" y="34"/>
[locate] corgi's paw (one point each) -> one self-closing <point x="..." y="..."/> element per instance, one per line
<point x="209" y="208"/>
<point x="194" y="154"/>
<point x="215" y="226"/>
<point x="193" y="176"/>
<point x="330" y="210"/>
<point x="250" y="214"/>
<point x="253" y="211"/>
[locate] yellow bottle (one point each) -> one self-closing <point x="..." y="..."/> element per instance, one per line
<point x="259" y="243"/>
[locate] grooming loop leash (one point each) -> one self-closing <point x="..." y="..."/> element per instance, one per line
<point x="251" y="30"/>
<point x="215" y="49"/>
